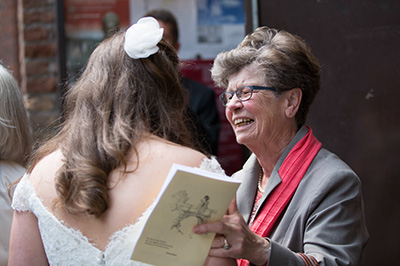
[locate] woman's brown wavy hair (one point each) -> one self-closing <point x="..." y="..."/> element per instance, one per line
<point x="115" y="104"/>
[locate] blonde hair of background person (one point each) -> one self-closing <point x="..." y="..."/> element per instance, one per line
<point x="15" y="134"/>
<point x="124" y="128"/>
<point x="15" y="145"/>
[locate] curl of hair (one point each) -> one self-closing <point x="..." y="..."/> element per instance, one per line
<point x="116" y="103"/>
<point x="285" y="60"/>
<point x="15" y="132"/>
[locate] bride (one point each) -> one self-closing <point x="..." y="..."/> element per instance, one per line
<point x="89" y="189"/>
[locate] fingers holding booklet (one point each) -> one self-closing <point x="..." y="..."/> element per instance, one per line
<point x="189" y="197"/>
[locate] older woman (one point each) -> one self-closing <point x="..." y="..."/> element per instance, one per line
<point x="299" y="204"/>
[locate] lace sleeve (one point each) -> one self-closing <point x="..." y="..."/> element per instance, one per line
<point x="23" y="192"/>
<point x="212" y="165"/>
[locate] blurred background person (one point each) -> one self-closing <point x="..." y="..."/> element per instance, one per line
<point x="15" y="146"/>
<point x="202" y="98"/>
<point x="110" y="23"/>
<point x="298" y="203"/>
<point x="124" y="128"/>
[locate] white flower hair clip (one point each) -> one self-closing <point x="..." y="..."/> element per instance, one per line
<point x="141" y="39"/>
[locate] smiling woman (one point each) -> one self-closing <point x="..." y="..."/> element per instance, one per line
<point x="294" y="194"/>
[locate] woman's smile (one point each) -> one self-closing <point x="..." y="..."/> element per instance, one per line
<point x="240" y="122"/>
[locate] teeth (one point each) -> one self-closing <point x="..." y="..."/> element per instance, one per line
<point x="243" y="122"/>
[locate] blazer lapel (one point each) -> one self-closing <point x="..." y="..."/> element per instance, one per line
<point x="246" y="192"/>
<point x="275" y="179"/>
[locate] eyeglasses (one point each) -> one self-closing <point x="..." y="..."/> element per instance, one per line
<point x="243" y="93"/>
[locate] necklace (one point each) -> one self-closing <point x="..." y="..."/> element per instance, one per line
<point x="259" y="182"/>
<point x="257" y="198"/>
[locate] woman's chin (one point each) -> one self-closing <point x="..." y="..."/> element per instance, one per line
<point x="243" y="135"/>
<point x="241" y="139"/>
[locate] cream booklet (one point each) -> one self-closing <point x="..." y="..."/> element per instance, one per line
<point x="189" y="196"/>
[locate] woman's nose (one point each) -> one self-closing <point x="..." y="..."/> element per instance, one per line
<point x="234" y="103"/>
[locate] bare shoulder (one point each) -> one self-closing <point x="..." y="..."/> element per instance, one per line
<point x="47" y="166"/>
<point x="171" y="152"/>
<point x="43" y="174"/>
<point x="187" y="155"/>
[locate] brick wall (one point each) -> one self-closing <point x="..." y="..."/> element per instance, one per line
<point x="9" y="35"/>
<point x="38" y="64"/>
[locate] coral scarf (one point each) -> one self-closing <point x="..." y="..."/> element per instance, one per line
<point x="291" y="172"/>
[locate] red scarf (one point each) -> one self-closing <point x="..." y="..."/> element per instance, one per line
<point x="291" y="172"/>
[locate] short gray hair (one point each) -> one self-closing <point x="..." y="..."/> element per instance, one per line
<point x="284" y="58"/>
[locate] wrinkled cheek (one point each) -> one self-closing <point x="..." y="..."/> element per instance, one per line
<point x="228" y="115"/>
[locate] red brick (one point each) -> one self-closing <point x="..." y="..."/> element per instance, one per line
<point x="36" y="33"/>
<point x="40" y="50"/>
<point x="9" y="35"/>
<point x="39" y="15"/>
<point x="42" y="85"/>
<point x="37" y="3"/>
<point x="39" y="67"/>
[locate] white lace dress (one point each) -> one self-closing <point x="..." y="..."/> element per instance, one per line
<point x="67" y="246"/>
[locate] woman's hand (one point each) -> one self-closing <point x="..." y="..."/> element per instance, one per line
<point x="243" y="243"/>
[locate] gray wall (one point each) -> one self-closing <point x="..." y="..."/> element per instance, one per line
<point x="356" y="114"/>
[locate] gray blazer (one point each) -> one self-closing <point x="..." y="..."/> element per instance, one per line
<point x="325" y="217"/>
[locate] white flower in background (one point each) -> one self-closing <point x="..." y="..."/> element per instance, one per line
<point x="141" y="39"/>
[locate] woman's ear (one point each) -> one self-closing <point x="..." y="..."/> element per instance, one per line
<point x="293" y="101"/>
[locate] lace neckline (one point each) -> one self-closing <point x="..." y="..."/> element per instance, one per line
<point x="26" y="199"/>
<point x="112" y="240"/>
